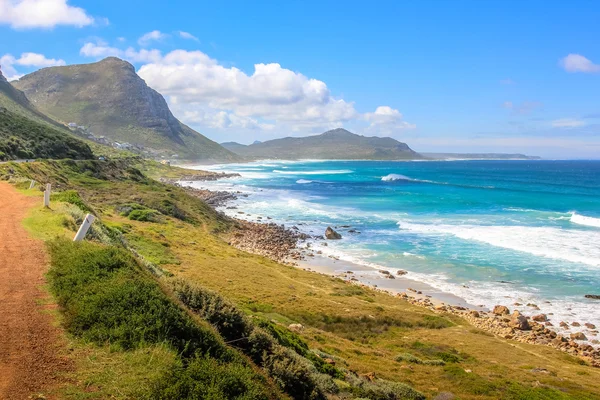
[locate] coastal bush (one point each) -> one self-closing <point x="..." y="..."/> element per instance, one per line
<point x="143" y="215"/>
<point x="294" y="374"/>
<point x="72" y="197"/>
<point x="384" y="390"/>
<point x="206" y="378"/>
<point x="443" y="352"/>
<point x="106" y="298"/>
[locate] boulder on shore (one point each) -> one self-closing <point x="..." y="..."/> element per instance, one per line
<point x="578" y="336"/>
<point x="331" y="234"/>
<point x="593" y="296"/>
<point x="519" y="321"/>
<point x="501" y="310"/>
<point x="540" y="318"/>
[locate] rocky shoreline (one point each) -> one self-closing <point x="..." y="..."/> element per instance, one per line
<point x="280" y="244"/>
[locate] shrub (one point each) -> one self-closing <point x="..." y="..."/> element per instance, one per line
<point x="206" y="378"/>
<point x="72" y="197"/>
<point x="297" y="376"/>
<point x="143" y="215"/>
<point x="385" y="390"/>
<point x="107" y="298"/>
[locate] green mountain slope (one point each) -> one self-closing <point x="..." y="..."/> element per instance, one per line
<point x="335" y="144"/>
<point x="111" y="100"/>
<point x="27" y="133"/>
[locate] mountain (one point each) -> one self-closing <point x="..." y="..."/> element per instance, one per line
<point x="27" y="133"/>
<point x="337" y="144"/>
<point x="109" y="99"/>
<point x="479" y="156"/>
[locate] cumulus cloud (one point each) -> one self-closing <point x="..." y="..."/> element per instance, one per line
<point x="9" y="63"/>
<point x="568" y="123"/>
<point x="578" y="63"/>
<point x="149" y="37"/>
<point x="28" y="14"/>
<point x="187" y="35"/>
<point x="387" y="120"/>
<point x="192" y="79"/>
<point x="101" y="50"/>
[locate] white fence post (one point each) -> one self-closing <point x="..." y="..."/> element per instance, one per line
<point x="47" y="195"/>
<point x="32" y="184"/>
<point x="83" y="229"/>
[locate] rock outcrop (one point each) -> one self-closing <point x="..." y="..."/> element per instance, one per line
<point x="331" y="234"/>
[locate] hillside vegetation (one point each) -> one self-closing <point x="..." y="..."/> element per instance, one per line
<point x="25" y="138"/>
<point x="111" y="100"/>
<point x="142" y="327"/>
<point x="337" y="144"/>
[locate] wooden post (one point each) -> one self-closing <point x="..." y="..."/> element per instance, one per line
<point x="32" y="184"/>
<point x="47" y="195"/>
<point x="83" y="229"/>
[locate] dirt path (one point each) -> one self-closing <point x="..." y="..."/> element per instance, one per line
<point x="29" y="343"/>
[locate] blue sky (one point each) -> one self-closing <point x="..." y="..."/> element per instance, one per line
<point x="474" y="76"/>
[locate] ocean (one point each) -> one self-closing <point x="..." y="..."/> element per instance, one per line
<point x="490" y="232"/>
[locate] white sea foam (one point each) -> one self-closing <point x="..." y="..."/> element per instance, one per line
<point x="583" y="220"/>
<point x="395" y="177"/>
<point x="302" y="181"/>
<point x="561" y="244"/>
<point x="317" y="172"/>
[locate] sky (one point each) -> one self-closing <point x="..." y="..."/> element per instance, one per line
<point x="442" y="76"/>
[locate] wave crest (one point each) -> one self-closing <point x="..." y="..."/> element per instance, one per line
<point x="583" y="220"/>
<point x="396" y="177"/>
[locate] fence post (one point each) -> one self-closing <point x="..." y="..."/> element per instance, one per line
<point x="32" y="184"/>
<point x="47" y="195"/>
<point x="83" y="229"/>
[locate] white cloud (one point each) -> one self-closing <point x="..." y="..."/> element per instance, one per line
<point x="578" y="63"/>
<point x="567" y="123"/>
<point x="386" y="119"/>
<point x="27" y="14"/>
<point x="8" y="63"/>
<point x="149" y="37"/>
<point x="101" y="50"/>
<point x="193" y="80"/>
<point x="187" y="35"/>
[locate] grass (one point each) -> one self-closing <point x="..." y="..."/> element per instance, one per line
<point x="365" y="328"/>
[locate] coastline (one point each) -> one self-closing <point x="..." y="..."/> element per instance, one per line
<point x="264" y="238"/>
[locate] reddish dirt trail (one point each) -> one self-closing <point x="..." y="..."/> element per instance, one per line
<point x="29" y="343"/>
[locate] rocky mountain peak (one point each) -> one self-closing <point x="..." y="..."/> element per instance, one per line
<point x="116" y="62"/>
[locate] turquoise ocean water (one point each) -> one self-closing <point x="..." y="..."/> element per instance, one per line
<point x="492" y="232"/>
